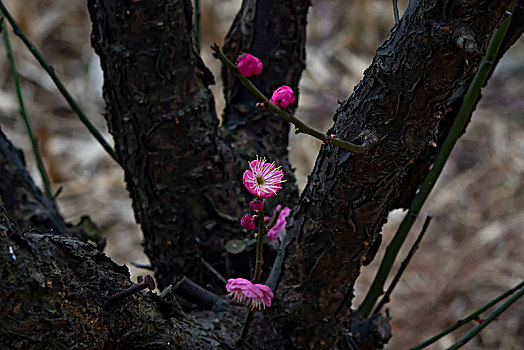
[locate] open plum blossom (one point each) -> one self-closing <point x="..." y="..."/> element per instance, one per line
<point x="263" y="179"/>
<point x="249" y="65"/>
<point x="256" y="296"/>
<point x="283" y="97"/>
<point x="280" y="225"/>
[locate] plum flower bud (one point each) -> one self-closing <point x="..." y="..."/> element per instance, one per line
<point x="280" y="225"/>
<point x="248" y="65"/>
<point x="247" y="222"/>
<point x="283" y="97"/>
<point x="256" y="296"/>
<point x="257" y="205"/>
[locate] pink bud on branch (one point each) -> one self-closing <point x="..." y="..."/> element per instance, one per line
<point x="249" y="65"/>
<point x="283" y="97"/>
<point x="247" y="222"/>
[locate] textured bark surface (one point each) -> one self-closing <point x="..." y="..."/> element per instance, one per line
<point x="54" y="288"/>
<point x="433" y="51"/>
<point x="26" y="204"/>
<point x="420" y="168"/>
<point x="162" y="117"/>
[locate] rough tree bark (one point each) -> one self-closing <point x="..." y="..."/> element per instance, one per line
<point x="432" y="52"/>
<point x="183" y="177"/>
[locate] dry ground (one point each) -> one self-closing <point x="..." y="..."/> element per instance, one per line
<point x="474" y="247"/>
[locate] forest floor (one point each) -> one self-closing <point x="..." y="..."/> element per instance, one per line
<point x="473" y="249"/>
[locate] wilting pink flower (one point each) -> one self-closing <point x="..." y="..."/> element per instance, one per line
<point x="256" y="296"/>
<point x="280" y="225"/>
<point x="249" y="65"/>
<point x="247" y="222"/>
<point x="263" y="179"/>
<point x="257" y="205"/>
<point x="283" y="97"/>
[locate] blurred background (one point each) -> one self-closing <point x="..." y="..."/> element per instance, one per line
<point x="474" y="248"/>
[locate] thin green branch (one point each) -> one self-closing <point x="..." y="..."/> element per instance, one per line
<point x="469" y="318"/>
<point x="197" y="24"/>
<point x="70" y="100"/>
<point x="301" y="126"/>
<point x="395" y="11"/>
<point x="473" y="332"/>
<point x="385" y="299"/>
<point x="23" y="113"/>
<point x="463" y="115"/>
<point x="4" y="211"/>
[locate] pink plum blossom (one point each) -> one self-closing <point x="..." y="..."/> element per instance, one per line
<point x="247" y="222"/>
<point x="249" y="65"/>
<point x="256" y="296"/>
<point x="283" y="97"/>
<point x="263" y="179"/>
<point x="280" y="225"/>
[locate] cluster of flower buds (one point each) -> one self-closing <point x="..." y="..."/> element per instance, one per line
<point x="250" y="66"/>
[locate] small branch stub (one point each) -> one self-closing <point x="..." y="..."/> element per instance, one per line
<point x="148" y="282"/>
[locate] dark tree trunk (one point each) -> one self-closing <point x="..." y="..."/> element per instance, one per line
<point x="347" y="199"/>
<point x="162" y="117"/>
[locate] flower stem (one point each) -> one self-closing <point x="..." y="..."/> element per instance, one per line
<point x="260" y="246"/>
<point x="301" y="126"/>
<point x="70" y="100"/>
<point x="23" y="113"/>
<point x="258" y="272"/>
<point x="470" y="317"/>
<point x="247" y="324"/>
<point x="457" y="128"/>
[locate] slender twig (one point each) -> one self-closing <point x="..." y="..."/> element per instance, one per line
<point x="385" y="299"/>
<point x="197" y="24"/>
<point x="463" y="115"/>
<point x="247" y="325"/>
<point x="23" y="113"/>
<point x="470" y="317"/>
<point x="70" y="100"/>
<point x="213" y="270"/>
<point x="301" y="126"/>
<point x="395" y="10"/>
<point x="473" y="332"/>
<point x="4" y="211"/>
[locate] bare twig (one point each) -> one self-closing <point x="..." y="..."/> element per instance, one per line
<point x="385" y="299"/>
<point x="470" y="317"/>
<point x="301" y="126"/>
<point x="213" y="270"/>
<point x="70" y="100"/>
<point x="395" y="11"/>
<point x="23" y="113"/>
